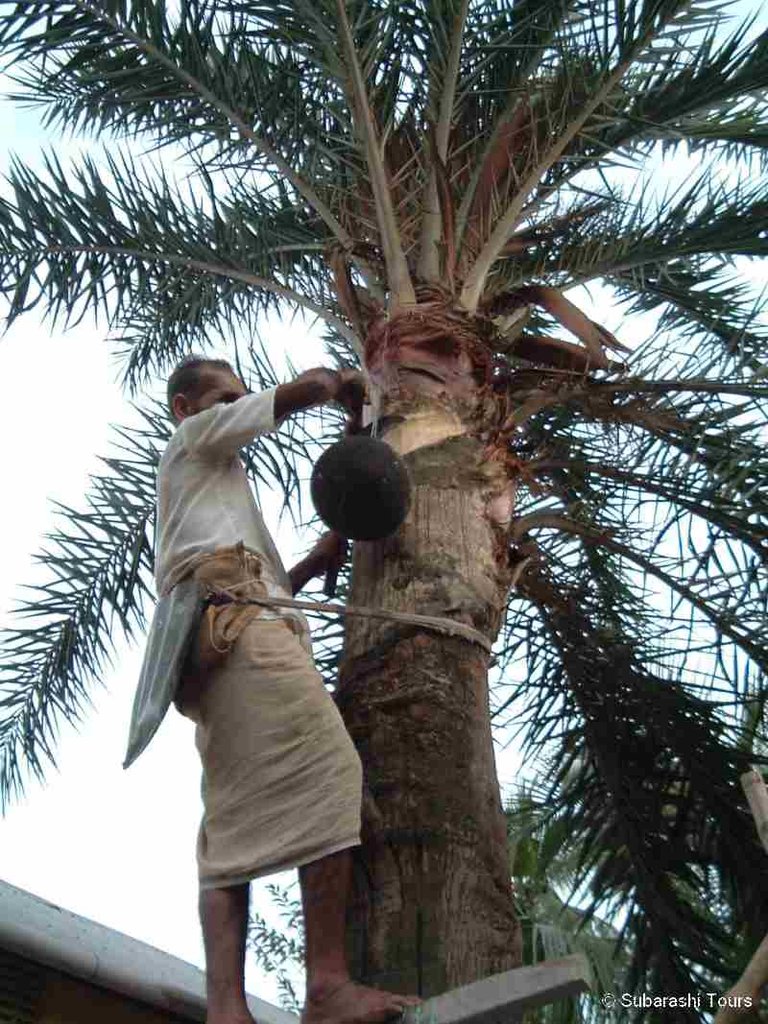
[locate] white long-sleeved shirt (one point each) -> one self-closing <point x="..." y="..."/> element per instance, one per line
<point x="204" y="500"/>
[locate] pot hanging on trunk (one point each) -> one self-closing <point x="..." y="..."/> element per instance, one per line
<point x="360" y="488"/>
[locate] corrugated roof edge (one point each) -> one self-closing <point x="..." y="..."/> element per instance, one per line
<point x="50" y="935"/>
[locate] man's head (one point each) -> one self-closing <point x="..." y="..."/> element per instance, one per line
<point x="198" y="383"/>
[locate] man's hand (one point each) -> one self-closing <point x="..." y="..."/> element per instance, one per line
<point x="351" y="396"/>
<point x="345" y="386"/>
<point x="325" y="559"/>
<point x="331" y="552"/>
<point x="318" y="386"/>
<point x="324" y="380"/>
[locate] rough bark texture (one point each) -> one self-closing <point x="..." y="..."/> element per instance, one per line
<point x="433" y="905"/>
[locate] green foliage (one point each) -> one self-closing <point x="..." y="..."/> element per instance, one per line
<point x="99" y="565"/>
<point x="170" y="265"/>
<point x="328" y="157"/>
<point x="280" y="951"/>
<point x="636" y="638"/>
<point x="544" y="859"/>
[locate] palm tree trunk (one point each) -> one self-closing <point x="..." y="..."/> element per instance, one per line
<point x="433" y="905"/>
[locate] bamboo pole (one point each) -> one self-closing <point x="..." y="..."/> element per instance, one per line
<point x="744" y="998"/>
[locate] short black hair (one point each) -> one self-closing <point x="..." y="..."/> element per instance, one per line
<point x="186" y="377"/>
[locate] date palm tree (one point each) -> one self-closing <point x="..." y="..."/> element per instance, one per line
<point x="543" y="867"/>
<point x="428" y="178"/>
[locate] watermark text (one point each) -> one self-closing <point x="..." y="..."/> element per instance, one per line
<point x="689" y="1001"/>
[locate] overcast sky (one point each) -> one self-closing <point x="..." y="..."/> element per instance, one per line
<point x="114" y="846"/>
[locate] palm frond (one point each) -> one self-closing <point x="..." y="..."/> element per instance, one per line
<point x="646" y="781"/>
<point x="132" y="68"/>
<point x="656" y="605"/>
<point x="681" y="255"/>
<point x="447" y="25"/>
<point x="131" y="244"/>
<point x="398" y="275"/>
<point x="544" y="862"/>
<point x="718" y="311"/>
<point x="280" y="951"/>
<point x="699" y="96"/>
<point x="583" y="91"/>
<point x="99" y="567"/>
<point x="699" y="225"/>
<point x="337" y="151"/>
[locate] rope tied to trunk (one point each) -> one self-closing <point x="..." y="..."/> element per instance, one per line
<point x="438" y="623"/>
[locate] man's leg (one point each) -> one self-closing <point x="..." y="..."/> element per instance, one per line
<point x="331" y="993"/>
<point x="224" y="917"/>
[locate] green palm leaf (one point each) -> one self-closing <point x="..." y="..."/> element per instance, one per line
<point x="157" y="259"/>
<point x="98" y="580"/>
<point x="99" y="567"/>
<point x="347" y="158"/>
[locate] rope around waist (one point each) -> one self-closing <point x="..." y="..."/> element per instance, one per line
<point x="437" y="623"/>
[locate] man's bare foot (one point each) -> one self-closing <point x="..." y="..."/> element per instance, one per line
<point x="350" y="1003"/>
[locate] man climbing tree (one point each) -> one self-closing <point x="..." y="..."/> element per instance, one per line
<point x="281" y="779"/>
<point x="429" y="179"/>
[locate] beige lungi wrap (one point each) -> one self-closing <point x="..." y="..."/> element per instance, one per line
<point x="282" y="781"/>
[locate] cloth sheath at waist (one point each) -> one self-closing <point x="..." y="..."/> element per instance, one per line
<point x="174" y="627"/>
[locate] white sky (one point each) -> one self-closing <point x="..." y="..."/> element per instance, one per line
<point x="114" y="846"/>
